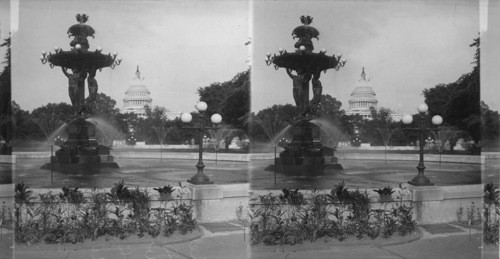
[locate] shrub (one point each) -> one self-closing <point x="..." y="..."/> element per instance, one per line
<point x="385" y="194"/>
<point x="490" y="207"/>
<point x="69" y="217"/>
<point x="289" y="218"/>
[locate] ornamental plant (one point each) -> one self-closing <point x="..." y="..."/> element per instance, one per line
<point x="72" y="216"/>
<point x="491" y="211"/>
<point x="293" y="217"/>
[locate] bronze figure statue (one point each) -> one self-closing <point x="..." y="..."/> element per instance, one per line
<point x="301" y="90"/>
<point x="317" y="90"/>
<point x="76" y="84"/>
<point x="297" y="84"/>
<point x="92" y="85"/>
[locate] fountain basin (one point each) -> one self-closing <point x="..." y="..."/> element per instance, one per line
<point x="80" y="59"/>
<point x="305" y="156"/>
<point x="81" y="153"/>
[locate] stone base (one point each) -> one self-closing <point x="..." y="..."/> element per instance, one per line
<point x="439" y="204"/>
<point x="280" y="168"/>
<point x="301" y="166"/>
<point x="81" y="165"/>
<point x="215" y="203"/>
<point x="337" y="167"/>
<point x="426" y="193"/>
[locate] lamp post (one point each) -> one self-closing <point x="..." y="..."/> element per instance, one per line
<point x="421" y="179"/>
<point x="200" y="177"/>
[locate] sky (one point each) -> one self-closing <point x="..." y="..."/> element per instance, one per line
<point x="179" y="46"/>
<point x="404" y="46"/>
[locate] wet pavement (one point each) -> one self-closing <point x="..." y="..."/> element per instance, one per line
<point x="367" y="174"/>
<point x="147" y="172"/>
<point x="141" y="172"/>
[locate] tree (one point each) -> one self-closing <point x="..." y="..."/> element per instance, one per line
<point x="350" y="122"/>
<point x="62" y="110"/>
<point x="381" y="128"/>
<point x="104" y="106"/>
<point x="490" y="121"/>
<point x="230" y="99"/>
<point x="144" y="129"/>
<point x="22" y="125"/>
<point x="329" y="108"/>
<point x="269" y="122"/>
<point x="49" y="123"/>
<point x="5" y="95"/>
<point x="447" y="134"/>
<point x="459" y="102"/>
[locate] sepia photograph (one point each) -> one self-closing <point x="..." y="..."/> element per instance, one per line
<point x="249" y="129"/>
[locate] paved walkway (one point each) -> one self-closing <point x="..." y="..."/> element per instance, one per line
<point x="223" y="240"/>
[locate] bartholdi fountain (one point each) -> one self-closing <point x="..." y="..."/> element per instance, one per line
<point x="81" y="153"/>
<point x="305" y="155"/>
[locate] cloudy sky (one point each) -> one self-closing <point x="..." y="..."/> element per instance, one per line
<point x="178" y="45"/>
<point x="405" y="46"/>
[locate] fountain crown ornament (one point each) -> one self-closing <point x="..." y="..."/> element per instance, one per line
<point x="306" y="19"/>
<point x="305" y="33"/>
<point x="82" y="18"/>
<point x="81" y="31"/>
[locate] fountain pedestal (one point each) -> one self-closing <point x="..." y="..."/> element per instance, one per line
<point x="81" y="153"/>
<point x="305" y="156"/>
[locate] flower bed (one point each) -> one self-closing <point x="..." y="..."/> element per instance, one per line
<point x="342" y="214"/>
<point x="72" y="216"/>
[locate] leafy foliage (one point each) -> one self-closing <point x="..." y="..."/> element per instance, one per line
<point x="71" y="216"/>
<point x="292" y="197"/>
<point x="5" y="94"/>
<point x="291" y="219"/>
<point x="491" y="211"/>
<point x="459" y="102"/>
<point x="268" y="123"/>
<point x="231" y="99"/>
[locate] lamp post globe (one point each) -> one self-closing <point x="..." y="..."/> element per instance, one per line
<point x="407" y="119"/>
<point x="186" y="117"/>
<point x="216" y="118"/>
<point x="201" y="106"/>
<point x="437" y="120"/>
<point x="422" y="108"/>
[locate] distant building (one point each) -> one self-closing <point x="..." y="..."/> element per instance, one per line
<point x="395" y="116"/>
<point x="137" y="96"/>
<point x="173" y="115"/>
<point x="362" y="98"/>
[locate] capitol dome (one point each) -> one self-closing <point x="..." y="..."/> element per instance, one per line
<point x="362" y="98"/>
<point x="137" y="96"/>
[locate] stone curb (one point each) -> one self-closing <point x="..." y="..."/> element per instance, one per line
<point x="114" y="244"/>
<point x="370" y="244"/>
<point x="420" y="235"/>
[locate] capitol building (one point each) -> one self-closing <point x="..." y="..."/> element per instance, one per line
<point x="137" y="96"/>
<point x="362" y="98"/>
